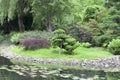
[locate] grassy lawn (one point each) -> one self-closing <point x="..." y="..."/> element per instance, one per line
<point x="82" y="53"/>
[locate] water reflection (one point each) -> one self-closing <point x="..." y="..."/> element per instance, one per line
<point x="16" y="72"/>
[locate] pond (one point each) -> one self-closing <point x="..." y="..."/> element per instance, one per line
<point x="22" y="72"/>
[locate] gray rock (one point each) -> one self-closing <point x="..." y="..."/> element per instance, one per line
<point x="5" y="61"/>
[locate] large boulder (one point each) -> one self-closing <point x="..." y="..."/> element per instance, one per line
<point x="5" y="61"/>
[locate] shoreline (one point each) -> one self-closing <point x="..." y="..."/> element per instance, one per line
<point x="100" y="63"/>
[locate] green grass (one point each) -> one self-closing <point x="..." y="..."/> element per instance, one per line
<point x="82" y="53"/>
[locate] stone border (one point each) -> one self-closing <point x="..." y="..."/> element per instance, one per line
<point x="100" y="64"/>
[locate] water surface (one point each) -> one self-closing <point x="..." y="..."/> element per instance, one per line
<point x="17" y="72"/>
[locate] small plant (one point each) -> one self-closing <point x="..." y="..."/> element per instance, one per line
<point x="1" y="38"/>
<point x="32" y="44"/>
<point x="114" y="46"/>
<point x="15" y="38"/>
<point x="66" y="43"/>
<point x="86" y="45"/>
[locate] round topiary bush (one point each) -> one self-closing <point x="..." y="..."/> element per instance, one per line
<point x="33" y="44"/>
<point x="114" y="46"/>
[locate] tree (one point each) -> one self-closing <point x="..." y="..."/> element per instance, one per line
<point x="11" y="9"/>
<point x="111" y="23"/>
<point x="20" y="8"/>
<point x="51" y="13"/>
<point x="93" y="12"/>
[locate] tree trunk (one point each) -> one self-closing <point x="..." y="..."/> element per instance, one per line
<point x="49" y="24"/>
<point x="7" y="28"/>
<point x="20" y="23"/>
<point x="60" y="50"/>
<point x="21" y="6"/>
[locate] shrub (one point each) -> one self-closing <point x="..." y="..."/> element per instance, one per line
<point x="102" y="40"/>
<point x="94" y="28"/>
<point x="1" y="38"/>
<point x="80" y="34"/>
<point x="15" y="38"/>
<point x="114" y="46"/>
<point x="32" y="44"/>
<point x="31" y="34"/>
<point x="66" y="43"/>
<point x="86" y="45"/>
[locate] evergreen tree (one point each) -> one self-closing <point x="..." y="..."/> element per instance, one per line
<point x="111" y="23"/>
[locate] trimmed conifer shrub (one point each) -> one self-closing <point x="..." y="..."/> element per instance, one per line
<point x="66" y="43"/>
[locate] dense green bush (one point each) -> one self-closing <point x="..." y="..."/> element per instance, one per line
<point x="114" y="46"/>
<point x="80" y="34"/>
<point x="17" y="37"/>
<point x="33" y="44"/>
<point x="94" y="28"/>
<point x="103" y="40"/>
<point x="66" y="43"/>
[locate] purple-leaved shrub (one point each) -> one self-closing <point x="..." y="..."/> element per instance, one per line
<point x="33" y="44"/>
